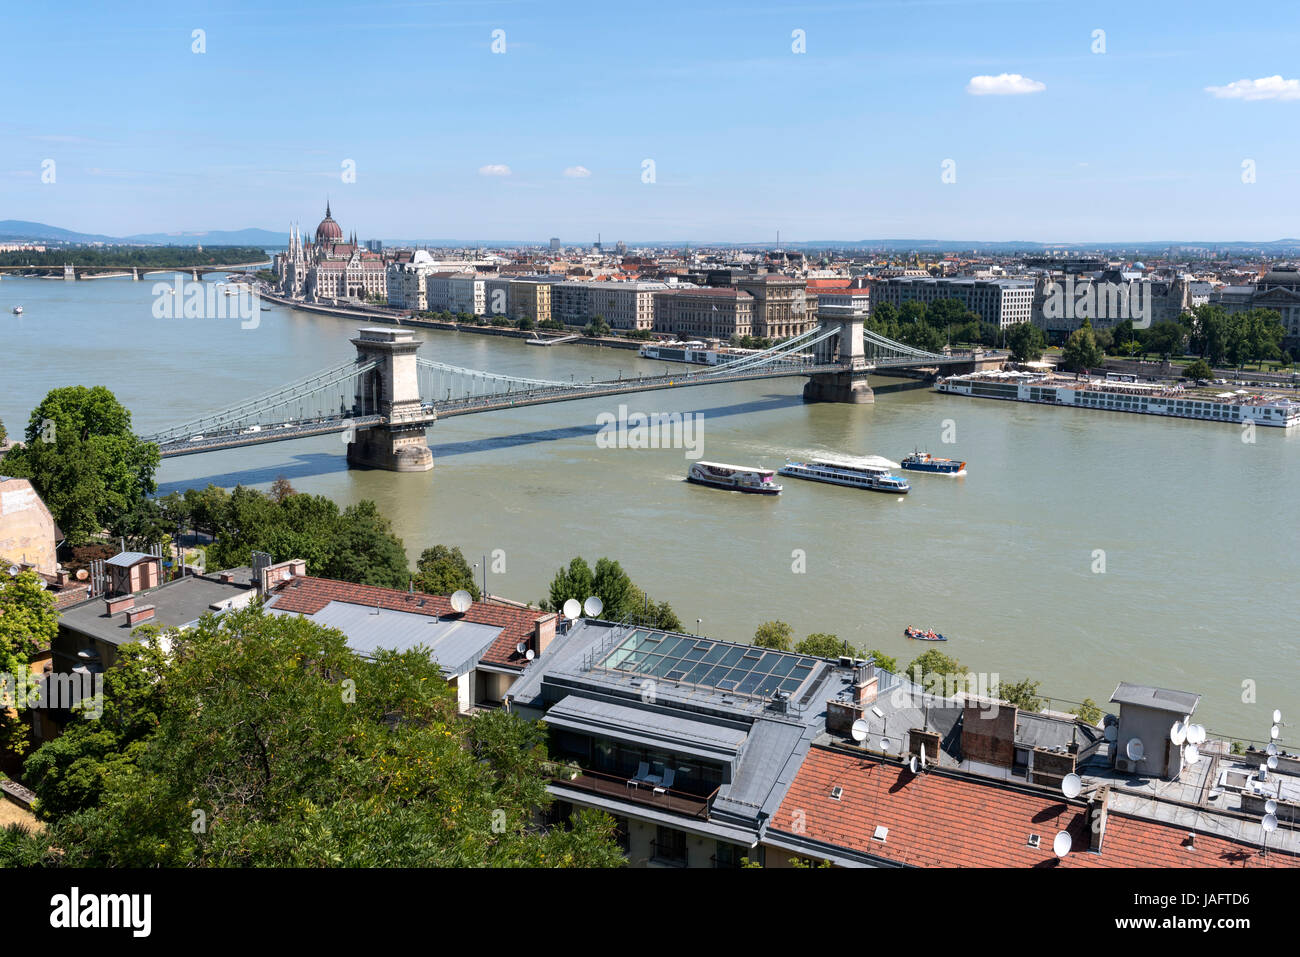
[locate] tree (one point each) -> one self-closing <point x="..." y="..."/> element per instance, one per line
<point x="366" y="550"/>
<point x="887" y="662"/>
<point x="1023" y="694"/>
<point x="70" y="773"/>
<point x="1026" y="342"/>
<point x="597" y="327"/>
<point x="1088" y="712"/>
<point x="613" y="587"/>
<point x="573" y="582"/>
<point x="281" y="489"/>
<point x="1081" y="350"/>
<point x="774" y="634"/>
<point x="936" y="670"/>
<point x="1166" y="339"/>
<point x="442" y="570"/>
<point x="265" y="755"/>
<point x="25" y="847"/>
<point x="822" y="645"/>
<point x="3" y="434"/>
<point x="141" y="525"/>
<point x="83" y="459"/>
<point x="1198" y="370"/>
<point x="29" y="622"/>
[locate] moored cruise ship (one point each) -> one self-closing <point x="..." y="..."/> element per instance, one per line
<point x="1143" y="398"/>
<point x="874" y="476"/>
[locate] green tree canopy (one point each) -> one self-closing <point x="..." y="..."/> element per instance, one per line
<point x="1200" y="369"/>
<point x="442" y="570"/>
<point x="83" y="459"/>
<point x="1023" y="694"/>
<point x="278" y="746"/>
<point x="1026" y="342"/>
<point x="29" y="622"/>
<point x="1081" y="350"/>
<point x="774" y="634"/>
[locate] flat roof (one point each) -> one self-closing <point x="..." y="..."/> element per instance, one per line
<point x="1160" y="699"/>
<point x="176" y="603"/>
<point x="658" y="728"/>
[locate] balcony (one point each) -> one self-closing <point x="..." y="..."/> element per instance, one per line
<point x="620" y="788"/>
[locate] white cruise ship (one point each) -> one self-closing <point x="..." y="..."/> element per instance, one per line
<point x="1146" y="399"/>
<point x="872" y="473"/>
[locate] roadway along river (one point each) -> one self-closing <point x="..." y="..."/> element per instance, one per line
<point x="1198" y="529"/>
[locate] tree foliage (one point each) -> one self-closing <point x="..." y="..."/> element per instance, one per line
<point x="83" y="459"/>
<point x="276" y="745"/>
<point x="28" y="623"/>
<point x="1081" y="350"/>
<point x="774" y="634"/>
<point x="442" y="570"/>
<point x="1023" y="694"/>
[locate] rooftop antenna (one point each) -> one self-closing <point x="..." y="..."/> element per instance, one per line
<point x="460" y="601"/>
<point x="860" y="730"/>
<point x="1062" y="843"/>
<point x="1269" y="825"/>
<point x="572" y="608"/>
<point x="593" y="606"/>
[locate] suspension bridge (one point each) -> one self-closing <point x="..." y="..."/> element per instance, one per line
<point x="385" y="399"/>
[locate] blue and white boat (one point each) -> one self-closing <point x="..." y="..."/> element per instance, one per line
<point x="920" y="461"/>
<point x="873" y="474"/>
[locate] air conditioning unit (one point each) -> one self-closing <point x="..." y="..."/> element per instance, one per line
<point x="1124" y="765"/>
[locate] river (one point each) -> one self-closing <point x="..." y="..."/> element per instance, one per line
<point x="1196" y="528"/>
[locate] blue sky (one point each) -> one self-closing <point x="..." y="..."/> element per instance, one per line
<point x="845" y="141"/>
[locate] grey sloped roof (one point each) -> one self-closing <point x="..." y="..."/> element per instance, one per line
<point x="654" y="728"/>
<point x="1044" y="731"/>
<point x="766" y="751"/>
<point x="127" y="559"/>
<point x="1161" y="699"/>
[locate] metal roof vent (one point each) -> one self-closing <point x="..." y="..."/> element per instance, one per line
<point x="836" y="792"/>
<point x="1034" y="840"/>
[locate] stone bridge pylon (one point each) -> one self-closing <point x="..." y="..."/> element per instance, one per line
<point x="391" y="389"/>
<point x="846" y="349"/>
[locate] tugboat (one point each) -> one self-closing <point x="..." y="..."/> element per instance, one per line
<point x="736" y="478"/>
<point x="920" y="635"/>
<point x="920" y="461"/>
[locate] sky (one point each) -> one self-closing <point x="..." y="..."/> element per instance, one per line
<point x="943" y="119"/>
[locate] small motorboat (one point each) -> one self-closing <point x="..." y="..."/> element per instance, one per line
<point x="920" y="461"/>
<point x="18" y="310"/>
<point x="920" y="635"/>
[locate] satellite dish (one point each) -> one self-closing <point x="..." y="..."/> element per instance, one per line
<point x="82" y="574"/>
<point x="1277" y="716"/>
<point x="1270" y="806"/>
<point x="522" y="647"/>
<point x="1272" y="762"/>
<point x="923" y="761"/>
<point x="886" y="744"/>
<point x="1196" y="734"/>
<point x="1269" y="824"/>
<point x="572" y="608"/>
<point x="1110" y="734"/>
<point x="530" y="654"/>
<point x="1274" y="732"/>
<point x="1071" y="785"/>
<point x="593" y="606"/>
<point x="1271" y="749"/>
<point x="13" y="571"/>
<point x="1135" y="750"/>
<point x="1191" y="754"/>
<point x="1178" y="733"/>
<point x="1062" y="843"/>
<point x="913" y="764"/>
<point x="460" y="601"/>
<point x="860" y="730"/>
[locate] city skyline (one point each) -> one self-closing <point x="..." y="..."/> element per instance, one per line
<point x="844" y="142"/>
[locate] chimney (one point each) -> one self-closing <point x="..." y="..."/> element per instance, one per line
<point x="544" y="632"/>
<point x="118" y="603"/>
<point x="138" y="614"/>
<point x="226" y="577"/>
<point x="865" y="684"/>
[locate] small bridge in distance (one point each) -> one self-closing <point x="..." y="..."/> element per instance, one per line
<point x="385" y="400"/>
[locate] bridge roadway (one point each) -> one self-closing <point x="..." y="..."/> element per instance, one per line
<point x="468" y="405"/>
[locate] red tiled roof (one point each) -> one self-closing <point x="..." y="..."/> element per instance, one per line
<point x="940" y="820"/>
<point x="829" y="283"/>
<point x="307" y="595"/>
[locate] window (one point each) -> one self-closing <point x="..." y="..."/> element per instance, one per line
<point x="670" y="846"/>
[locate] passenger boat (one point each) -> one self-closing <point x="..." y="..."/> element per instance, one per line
<point x="736" y="478"/>
<point x="873" y="476"/>
<point x="920" y="635"/>
<point x="920" y="461"/>
<point x="18" y="310"/>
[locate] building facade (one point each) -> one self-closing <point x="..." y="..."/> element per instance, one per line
<point x="327" y="269"/>
<point x="782" y="305"/>
<point x="1003" y="302"/>
<point x="704" y="313"/>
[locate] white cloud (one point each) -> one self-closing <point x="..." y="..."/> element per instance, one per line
<point x="577" y="172"/>
<point x="1265" y="88"/>
<point x="1004" y="84"/>
<point x="494" y="169"/>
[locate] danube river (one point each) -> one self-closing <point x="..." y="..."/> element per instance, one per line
<point x="1082" y="549"/>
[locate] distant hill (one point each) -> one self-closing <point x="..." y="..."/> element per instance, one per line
<point x="12" y="230"/>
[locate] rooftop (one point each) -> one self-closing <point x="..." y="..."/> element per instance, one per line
<point x="1175" y="702"/>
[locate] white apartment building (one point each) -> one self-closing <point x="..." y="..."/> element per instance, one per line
<point x="1003" y="302"/>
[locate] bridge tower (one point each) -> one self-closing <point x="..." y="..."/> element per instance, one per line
<point x="69" y="273"/>
<point x="847" y="349"/>
<point x="392" y="390"/>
